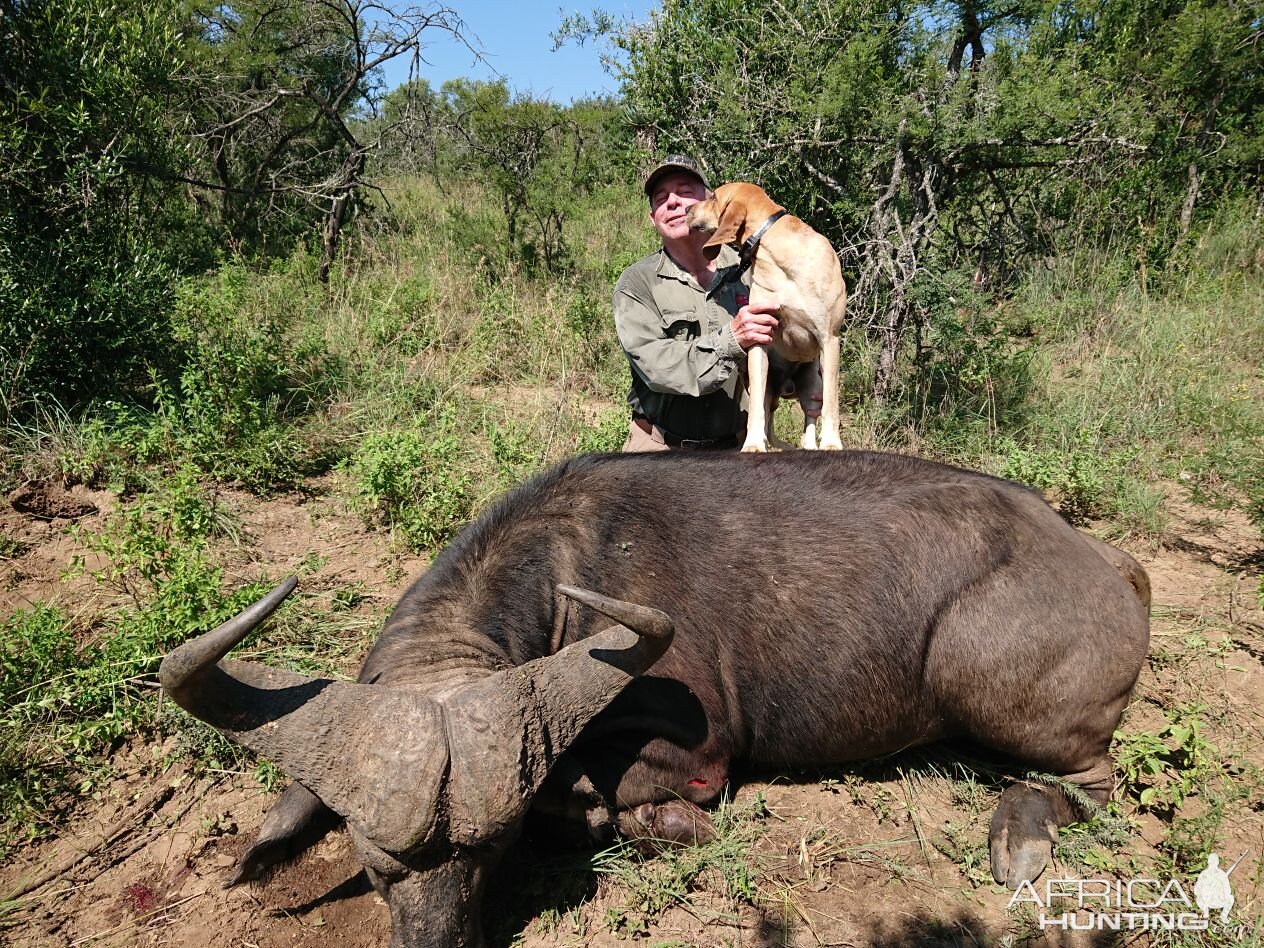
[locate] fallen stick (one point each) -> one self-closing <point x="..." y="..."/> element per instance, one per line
<point x="116" y="829"/>
<point x="169" y="822"/>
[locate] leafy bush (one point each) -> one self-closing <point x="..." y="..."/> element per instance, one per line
<point x="417" y="483"/>
<point x="233" y="409"/>
<point x="969" y="368"/>
<point x="1080" y="480"/>
<point x="86" y="243"/>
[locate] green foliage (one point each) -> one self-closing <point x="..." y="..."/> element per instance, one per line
<point x="234" y="407"/>
<point x="1162" y="768"/>
<point x="70" y="693"/>
<point x="232" y="414"/>
<point x="651" y="886"/>
<point x="512" y="452"/>
<point x="963" y="845"/>
<point x="970" y="369"/>
<point x="415" y="482"/>
<point x="1080" y="480"/>
<point x="539" y="159"/>
<point x="88" y="230"/>
<point x="609" y="434"/>
<point x="928" y="141"/>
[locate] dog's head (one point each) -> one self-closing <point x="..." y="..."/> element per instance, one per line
<point x="725" y="215"/>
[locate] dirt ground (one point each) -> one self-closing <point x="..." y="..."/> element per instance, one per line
<point x="892" y="854"/>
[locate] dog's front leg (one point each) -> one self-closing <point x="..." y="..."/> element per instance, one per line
<point x="757" y="399"/>
<point x="830" y="358"/>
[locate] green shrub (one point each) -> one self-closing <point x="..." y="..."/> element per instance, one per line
<point x="244" y="385"/>
<point x="970" y="368"/>
<point x="87" y="244"/>
<point x="1080" y="480"/>
<point x="609" y="434"/>
<point x="417" y="483"/>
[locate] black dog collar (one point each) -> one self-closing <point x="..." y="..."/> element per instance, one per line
<point x="747" y="255"/>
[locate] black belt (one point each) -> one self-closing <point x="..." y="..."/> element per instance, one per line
<point x="671" y="440"/>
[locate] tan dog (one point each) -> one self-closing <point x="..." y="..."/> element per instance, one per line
<point x="797" y="268"/>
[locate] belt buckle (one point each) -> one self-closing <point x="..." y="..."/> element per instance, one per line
<point x="696" y="442"/>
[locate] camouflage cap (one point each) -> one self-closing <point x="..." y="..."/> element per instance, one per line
<point x="674" y="163"/>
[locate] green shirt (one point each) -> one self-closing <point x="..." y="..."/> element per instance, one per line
<point x="685" y="361"/>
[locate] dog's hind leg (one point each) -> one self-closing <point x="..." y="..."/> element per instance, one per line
<point x="830" y="358"/>
<point x="807" y="380"/>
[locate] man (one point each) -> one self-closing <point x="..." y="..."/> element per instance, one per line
<point x="686" y="352"/>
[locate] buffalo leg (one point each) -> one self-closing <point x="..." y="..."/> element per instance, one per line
<point x="671" y="823"/>
<point x="298" y="821"/>
<point x="569" y="797"/>
<point x="1025" y="825"/>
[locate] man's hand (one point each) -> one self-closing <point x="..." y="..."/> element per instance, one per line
<point x="754" y="324"/>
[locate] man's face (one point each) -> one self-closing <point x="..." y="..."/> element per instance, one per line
<point x="672" y="197"/>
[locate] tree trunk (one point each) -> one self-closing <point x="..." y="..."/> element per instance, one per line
<point x="333" y="227"/>
<point x="337" y="213"/>
<point x="1191" y="198"/>
<point x="1195" y="179"/>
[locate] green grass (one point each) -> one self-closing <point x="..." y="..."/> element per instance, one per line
<point x="649" y="886"/>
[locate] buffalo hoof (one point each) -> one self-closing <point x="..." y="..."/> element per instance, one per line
<point x="1023" y="832"/>
<point x="674" y="823"/>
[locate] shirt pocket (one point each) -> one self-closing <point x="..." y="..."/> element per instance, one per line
<point x="679" y="323"/>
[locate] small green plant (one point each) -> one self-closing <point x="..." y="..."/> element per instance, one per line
<point x="512" y="452"/>
<point x="268" y="775"/>
<point x="1161" y="769"/>
<point x="416" y="483"/>
<point x="609" y="434"/>
<point x="70" y="692"/>
<point x="348" y="597"/>
<point x="1097" y="841"/>
<point x="10" y="547"/>
<point x="968" y="850"/>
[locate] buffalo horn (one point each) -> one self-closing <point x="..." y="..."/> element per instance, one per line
<point x="507" y="730"/>
<point x="361" y="748"/>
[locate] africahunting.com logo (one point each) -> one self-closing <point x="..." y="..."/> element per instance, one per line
<point x="1132" y="904"/>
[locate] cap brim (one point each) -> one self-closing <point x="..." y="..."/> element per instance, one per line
<point x="662" y="170"/>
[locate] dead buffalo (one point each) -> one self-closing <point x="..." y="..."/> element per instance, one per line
<point x="824" y="608"/>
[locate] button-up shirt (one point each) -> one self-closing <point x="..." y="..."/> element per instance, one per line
<point x="684" y="358"/>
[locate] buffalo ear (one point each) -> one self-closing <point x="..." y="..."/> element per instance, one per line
<point x="507" y="730"/>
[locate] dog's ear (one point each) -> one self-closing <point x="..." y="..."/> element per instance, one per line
<point x="732" y="215"/>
